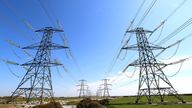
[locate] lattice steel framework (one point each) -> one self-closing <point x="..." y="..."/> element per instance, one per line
<point x="99" y="92"/>
<point x="106" y="88"/>
<point x="83" y="89"/>
<point x="152" y="80"/>
<point x="37" y="83"/>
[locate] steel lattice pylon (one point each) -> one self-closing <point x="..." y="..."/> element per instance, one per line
<point x="37" y="82"/>
<point x="106" y="88"/>
<point x="82" y="90"/>
<point x="152" y="80"/>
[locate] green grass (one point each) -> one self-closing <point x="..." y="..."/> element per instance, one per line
<point x="129" y="102"/>
<point x="150" y="106"/>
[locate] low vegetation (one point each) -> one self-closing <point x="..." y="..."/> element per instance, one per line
<point x="88" y="103"/>
<point x="114" y="102"/>
<point x="170" y="102"/>
<point x="49" y="105"/>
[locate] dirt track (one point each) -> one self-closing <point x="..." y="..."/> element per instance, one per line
<point x="7" y="106"/>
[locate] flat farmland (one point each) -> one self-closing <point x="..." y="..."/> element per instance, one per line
<point x="170" y="102"/>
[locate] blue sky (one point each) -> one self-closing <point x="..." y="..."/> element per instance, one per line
<point x="94" y="30"/>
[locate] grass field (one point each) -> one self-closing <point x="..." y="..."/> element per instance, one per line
<point x="129" y="102"/>
<point x="149" y="106"/>
<point x="170" y="102"/>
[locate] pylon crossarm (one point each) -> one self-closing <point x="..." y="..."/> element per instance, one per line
<point x="130" y="47"/>
<point x="136" y="64"/>
<point x="135" y="47"/>
<point x="49" y="29"/>
<point x="43" y="64"/>
<point x="52" y="46"/>
<point x="179" y="61"/>
<point x="156" y="47"/>
<point x="139" y="30"/>
<point x="169" y="46"/>
<point x="10" y="62"/>
<point x="38" y="75"/>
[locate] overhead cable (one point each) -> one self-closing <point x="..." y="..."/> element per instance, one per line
<point x="169" y="16"/>
<point x="114" y="60"/>
<point x="147" y="12"/>
<point x="46" y="12"/>
<point x="177" y="71"/>
<point x="176" y="9"/>
<point x="176" y="31"/>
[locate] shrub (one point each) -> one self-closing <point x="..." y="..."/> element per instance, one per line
<point x="88" y="103"/>
<point x="49" y="105"/>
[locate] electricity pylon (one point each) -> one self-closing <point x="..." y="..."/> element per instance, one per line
<point x="83" y="89"/>
<point x="152" y="80"/>
<point x="99" y="92"/>
<point x="106" y="88"/>
<point x="88" y="92"/>
<point x="37" y="82"/>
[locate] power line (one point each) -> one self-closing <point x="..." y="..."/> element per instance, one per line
<point x="65" y="70"/>
<point x="63" y="37"/>
<point x="132" y="22"/>
<point x="61" y="76"/>
<point x="176" y="31"/>
<point x="116" y="78"/>
<point x="177" y="70"/>
<point x="68" y="51"/>
<point x="158" y="27"/>
<point x="160" y="33"/>
<point x="13" y="11"/>
<point x="138" y="11"/>
<point x="176" y="9"/>
<point x="46" y="12"/>
<point x="166" y="19"/>
<point x="174" y="53"/>
<point x="133" y="73"/>
<point x="7" y="63"/>
<point x="15" y="53"/>
<point x="10" y="70"/>
<point x="17" y="46"/>
<point x="147" y="12"/>
<point x="119" y="49"/>
<point x="69" y="74"/>
<point x="123" y="72"/>
<point x="29" y="25"/>
<point x="177" y="42"/>
<point x="120" y="74"/>
<point x="58" y="72"/>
